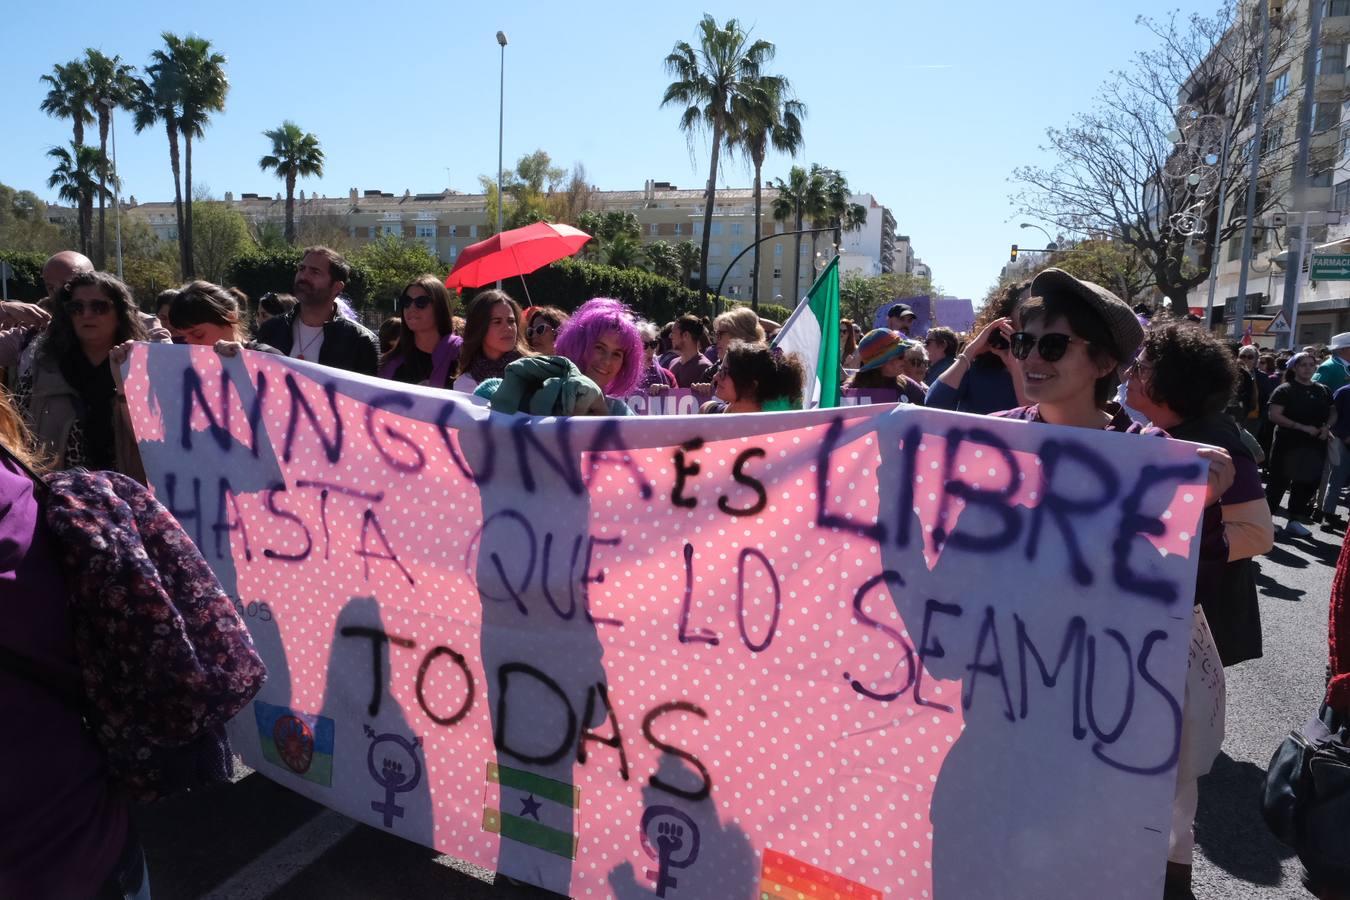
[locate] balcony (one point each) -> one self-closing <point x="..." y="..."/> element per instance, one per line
<point x="1330" y="85"/>
<point x="1336" y="21"/>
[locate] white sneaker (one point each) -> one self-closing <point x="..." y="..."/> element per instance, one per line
<point x="1296" y="529"/>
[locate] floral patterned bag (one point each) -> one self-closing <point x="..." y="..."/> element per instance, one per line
<point x="165" y="659"/>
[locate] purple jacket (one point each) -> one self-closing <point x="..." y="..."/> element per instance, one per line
<point x="443" y="360"/>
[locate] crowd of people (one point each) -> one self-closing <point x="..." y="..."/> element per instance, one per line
<point x="1055" y="350"/>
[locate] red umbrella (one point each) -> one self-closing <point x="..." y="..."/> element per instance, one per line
<point x="515" y="252"/>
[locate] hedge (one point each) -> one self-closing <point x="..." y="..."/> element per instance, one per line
<point x="26" y="283"/>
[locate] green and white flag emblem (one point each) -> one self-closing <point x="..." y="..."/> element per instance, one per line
<point x="532" y="809"/>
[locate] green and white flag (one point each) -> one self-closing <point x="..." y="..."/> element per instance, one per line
<point x="812" y="332"/>
<point x="531" y="809"/>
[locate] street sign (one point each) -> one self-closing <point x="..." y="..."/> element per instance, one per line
<point x="1330" y="267"/>
<point x="1279" y="324"/>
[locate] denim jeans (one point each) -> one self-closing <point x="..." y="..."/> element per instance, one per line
<point x="1336" y="481"/>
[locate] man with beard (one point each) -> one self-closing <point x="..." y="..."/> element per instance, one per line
<point x="314" y="330"/>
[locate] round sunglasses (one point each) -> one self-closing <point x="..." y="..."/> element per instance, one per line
<point x="1051" y="346"/>
<point x="538" y="330"/>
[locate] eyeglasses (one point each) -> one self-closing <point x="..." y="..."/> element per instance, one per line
<point x="92" y="307"/>
<point x="917" y="363"/>
<point x="420" y="302"/>
<point x="931" y="341"/>
<point x="1051" y="346"/>
<point x="538" y="330"/>
<point x="651" y="345"/>
<point x="1139" y="366"/>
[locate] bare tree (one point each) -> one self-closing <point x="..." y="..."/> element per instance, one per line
<point x="1142" y="167"/>
<point x="575" y="196"/>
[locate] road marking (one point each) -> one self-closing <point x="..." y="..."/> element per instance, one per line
<point x="263" y="875"/>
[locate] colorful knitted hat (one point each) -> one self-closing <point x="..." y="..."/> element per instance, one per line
<point x="878" y="347"/>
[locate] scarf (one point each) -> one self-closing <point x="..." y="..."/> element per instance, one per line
<point x="484" y="368"/>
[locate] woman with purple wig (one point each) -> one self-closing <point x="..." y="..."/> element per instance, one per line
<point x="602" y="338"/>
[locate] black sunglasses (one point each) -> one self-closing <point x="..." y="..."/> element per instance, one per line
<point x="651" y="344"/>
<point x="1051" y="346"/>
<point x="420" y="302"/>
<point x="93" y="307"/>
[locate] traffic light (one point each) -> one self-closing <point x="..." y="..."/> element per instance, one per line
<point x="1012" y="257"/>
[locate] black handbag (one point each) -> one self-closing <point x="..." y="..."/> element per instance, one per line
<point x="1306" y="801"/>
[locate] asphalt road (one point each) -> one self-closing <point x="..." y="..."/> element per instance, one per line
<point x="253" y="840"/>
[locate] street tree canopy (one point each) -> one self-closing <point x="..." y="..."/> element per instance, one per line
<point x="1143" y="169"/>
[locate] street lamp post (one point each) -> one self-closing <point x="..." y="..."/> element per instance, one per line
<point x="1050" y="243"/>
<point x="107" y="103"/>
<point x="717" y="299"/>
<point x="501" y="131"/>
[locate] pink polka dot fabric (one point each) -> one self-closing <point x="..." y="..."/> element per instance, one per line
<point x="717" y="571"/>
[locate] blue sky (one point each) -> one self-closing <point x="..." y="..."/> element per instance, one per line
<point x="928" y="106"/>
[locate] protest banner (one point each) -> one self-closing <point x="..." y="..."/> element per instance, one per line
<point x="860" y="652"/>
<point x="953" y="313"/>
<point x="671" y="402"/>
<point x="866" y="396"/>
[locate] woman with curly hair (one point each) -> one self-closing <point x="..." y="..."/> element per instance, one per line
<point x="427" y="348"/>
<point x="602" y="338"/>
<point x="493" y="339"/>
<point x="1182" y="381"/>
<point x="754" y="378"/>
<point x="978" y="380"/>
<point x="70" y="399"/>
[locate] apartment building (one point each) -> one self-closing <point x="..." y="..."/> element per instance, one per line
<point x="871" y="248"/>
<point x="449" y="221"/>
<point x="1323" y="308"/>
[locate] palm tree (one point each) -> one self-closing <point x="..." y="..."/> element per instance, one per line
<point x="76" y="178"/>
<point x="624" y="252"/>
<point x="840" y="214"/>
<point x="661" y="258"/>
<point x="687" y="257"/>
<point x="777" y="123"/>
<point x="112" y="80"/>
<point x="798" y="197"/>
<point x="295" y="154"/>
<point x="156" y="99"/>
<point x="715" y="84"/>
<point x="203" y="86"/>
<point x="69" y="96"/>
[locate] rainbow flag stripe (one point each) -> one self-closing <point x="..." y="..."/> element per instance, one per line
<point x="784" y="878"/>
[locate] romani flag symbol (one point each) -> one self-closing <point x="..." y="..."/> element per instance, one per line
<point x="531" y="809"/>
